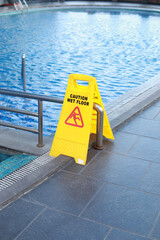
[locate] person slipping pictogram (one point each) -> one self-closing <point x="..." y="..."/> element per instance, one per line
<point x="75" y="119"/>
<point x="74" y="114"/>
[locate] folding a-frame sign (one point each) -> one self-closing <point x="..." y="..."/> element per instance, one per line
<point x="78" y="119"/>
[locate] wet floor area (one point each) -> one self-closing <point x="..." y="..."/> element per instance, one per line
<point x="116" y="196"/>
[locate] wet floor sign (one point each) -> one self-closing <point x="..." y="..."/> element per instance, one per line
<point x="78" y="119"/>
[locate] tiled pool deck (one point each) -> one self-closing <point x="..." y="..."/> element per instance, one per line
<point x="116" y="196"/>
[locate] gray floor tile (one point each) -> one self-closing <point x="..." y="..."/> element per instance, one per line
<point x="73" y="167"/>
<point x="52" y="225"/>
<point x="117" y="169"/>
<point x="149" y="113"/>
<point x="147" y="148"/>
<point x="156" y="231"/>
<point x="157" y="104"/>
<point x="2" y="129"/>
<point x="65" y="191"/>
<point x="121" y="235"/>
<point x="122" y="143"/>
<point x="157" y="118"/>
<point x="151" y="181"/>
<point x="15" y="217"/>
<point x="143" y="127"/>
<point x="124" y="208"/>
<point x="76" y="168"/>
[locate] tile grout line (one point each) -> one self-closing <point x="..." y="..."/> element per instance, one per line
<point x="147" y="170"/>
<point x="116" y="228"/>
<point x="114" y="152"/>
<point x="133" y="145"/>
<point x="141" y="117"/>
<point x="84" y="176"/>
<point x="113" y="183"/>
<point x="139" y="135"/>
<point x="34" y="202"/>
<point x="79" y="173"/>
<point x="103" y="184"/>
<point x="64" y="212"/>
<point x="108" y="233"/>
<point x="154" y="224"/>
<point x="96" y="155"/>
<point x="50" y="208"/>
<point x="137" y="158"/>
<point x="156" y="115"/>
<point x="67" y="164"/>
<point x="30" y="223"/>
<point x="94" y="221"/>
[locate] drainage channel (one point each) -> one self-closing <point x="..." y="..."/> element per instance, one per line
<point x="29" y="176"/>
<point x="22" y="172"/>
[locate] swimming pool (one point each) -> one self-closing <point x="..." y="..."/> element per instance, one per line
<point x="120" y="48"/>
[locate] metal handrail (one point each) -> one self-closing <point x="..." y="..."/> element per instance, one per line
<point x="15" y="7"/>
<point x="8" y="109"/>
<point x="24" y="72"/>
<point x="40" y="98"/>
<point x="31" y="96"/>
<point x="25" y="3"/>
<point x="20" y="5"/>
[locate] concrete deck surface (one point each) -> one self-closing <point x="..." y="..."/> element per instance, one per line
<point x="116" y="196"/>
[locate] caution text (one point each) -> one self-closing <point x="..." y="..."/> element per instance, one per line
<point x="78" y="99"/>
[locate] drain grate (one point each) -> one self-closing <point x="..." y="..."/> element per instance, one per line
<point x="24" y="171"/>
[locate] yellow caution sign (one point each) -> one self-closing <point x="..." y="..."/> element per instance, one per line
<point x="107" y="131"/>
<point x="78" y="119"/>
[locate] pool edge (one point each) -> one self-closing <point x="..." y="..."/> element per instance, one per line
<point x="71" y="5"/>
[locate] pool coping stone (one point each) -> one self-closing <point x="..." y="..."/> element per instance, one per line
<point x="131" y="103"/>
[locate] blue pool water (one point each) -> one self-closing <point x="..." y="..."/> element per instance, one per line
<point x="121" y="49"/>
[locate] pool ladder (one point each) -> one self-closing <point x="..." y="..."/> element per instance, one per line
<point x="19" y="6"/>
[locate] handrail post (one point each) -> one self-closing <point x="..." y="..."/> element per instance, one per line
<point x="24" y="72"/>
<point x="99" y="133"/>
<point x="40" y="124"/>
